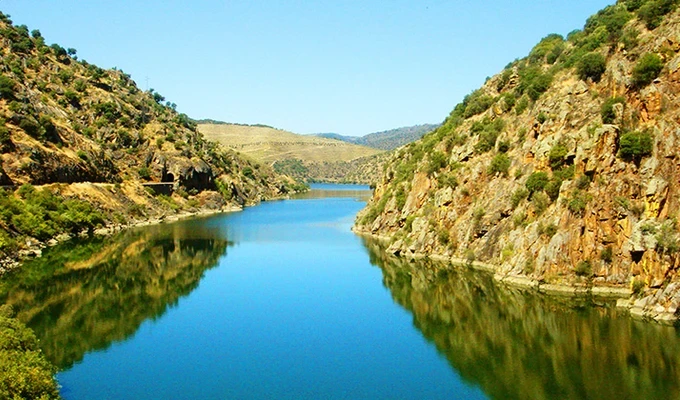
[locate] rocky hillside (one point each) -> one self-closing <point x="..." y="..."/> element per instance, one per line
<point x="562" y="168"/>
<point x="386" y="140"/>
<point x="88" y="148"/>
<point x="310" y="158"/>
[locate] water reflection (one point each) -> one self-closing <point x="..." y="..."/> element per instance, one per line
<point x="517" y="345"/>
<point x="83" y="296"/>
<point x="318" y="193"/>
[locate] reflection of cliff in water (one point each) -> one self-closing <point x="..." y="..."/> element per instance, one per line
<point x="83" y="296"/>
<point x="518" y="345"/>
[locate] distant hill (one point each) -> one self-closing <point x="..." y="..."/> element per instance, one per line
<point x="386" y="140"/>
<point x="310" y="157"/>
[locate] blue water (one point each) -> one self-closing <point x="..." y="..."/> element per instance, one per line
<point x="283" y="301"/>
<point x="293" y="309"/>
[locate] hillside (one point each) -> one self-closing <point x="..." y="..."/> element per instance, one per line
<point x="560" y="170"/>
<point x="386" y="140"/>
<point x="80" y="143"/>
<point x="316" y="159"/>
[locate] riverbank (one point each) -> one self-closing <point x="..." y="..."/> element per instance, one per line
<point x="661" y="306"/>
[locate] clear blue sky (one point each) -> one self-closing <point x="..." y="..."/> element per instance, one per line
<point x="350" y="67"/>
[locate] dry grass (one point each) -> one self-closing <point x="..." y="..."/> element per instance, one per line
<point x="268" y="144"/>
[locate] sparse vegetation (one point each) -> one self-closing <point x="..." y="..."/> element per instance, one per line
<point x="607" y="110"/>
<point x="647" y="68"/>
<point x="584" y="268"/>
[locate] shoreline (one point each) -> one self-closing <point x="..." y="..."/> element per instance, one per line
<point x="35" y="248"/>
<point x="635" y="307"/>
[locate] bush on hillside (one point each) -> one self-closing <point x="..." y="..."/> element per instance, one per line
<point x="647" y="69"/>
<point x="592" y="66"/>
<point x="633" y="146"/>
<point x="557" y="156"/>
<point x="533" y="82"/>
<point x="612" y="18"/>
<point x="607" y="109"/>
<point x="500" y="164"/>
<point x="653" y="11"/>
<point x="7" y="88"/>
<point x="537" y="182"/>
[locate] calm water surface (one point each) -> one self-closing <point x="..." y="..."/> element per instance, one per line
<point x="283" y="301"/>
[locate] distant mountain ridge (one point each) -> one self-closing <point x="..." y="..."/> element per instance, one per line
<point x="306" y="157"/>
<point x="385" y="140"/>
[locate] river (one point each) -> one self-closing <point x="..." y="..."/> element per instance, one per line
<point x="283" y="301"/>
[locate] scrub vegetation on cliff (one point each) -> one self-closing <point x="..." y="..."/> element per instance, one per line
<point x="562" y="168"/>
<point x="88" y="148"/>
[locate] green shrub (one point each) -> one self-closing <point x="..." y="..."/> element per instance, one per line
<point x="552" y="189"/>
<point x="612" y="18"/>
<point x="72" y="97"/>
<point x="546" y="48"/>
<point x="577" y="202"/>
<point x="503" y="146"/>
<point x="400" y="197"/>
<point x="652" y="12"/>
<point x="79" y="85"/>
<point x="31" y="127"/>
<point x="24" y="371"/>
<point x="437" y="161"/>
<point x="509" y="101"/>
<point x="550" y="230"/>
<point x="533" y="82"/>
<point x="449" y="180"/>
<point x="48" y="129"/>
<point x="517" y="197"/>
<point x="557" y="156"/>
<point x="583" y="182"/>
<point x="541" y="201"/>
<point x="7" y="88"/>
<point x="500" y="164"/>
<point x="537" y="181"/>
<point x="632" y="5"/>
<point x="648" y="67"/>
<point x="607" y="255"/>
<point x="144" y="173"/>
<point x="584" y="268"/>
<point x="248" y="173"/>
<point x="5" y="137"/>
<point x="488" y="133"/>
<point x="607" y="109"/>
<point x="667" y="238"/>
<point x="637" y="286"/>
<point x="477" y="103"/>
<point x="592" y="66"/>
<point x="630" y="38"/>
<point x="522" y="105"/>
<point x="443" y="236"/>
<point x="633" y="146"/>
<point x="542" y="117"/>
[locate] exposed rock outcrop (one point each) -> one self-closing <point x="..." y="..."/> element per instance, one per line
<point x="552" y="173"/>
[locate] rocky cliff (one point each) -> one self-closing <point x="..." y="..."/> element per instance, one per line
<point x="563" y="168"/>
<point x="103" y="151"/>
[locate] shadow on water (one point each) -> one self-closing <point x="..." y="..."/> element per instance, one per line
<point x="83" y="296"/>
<point x="519" y="345"/>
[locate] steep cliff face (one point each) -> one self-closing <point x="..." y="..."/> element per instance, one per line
<point x="562" y="168"/>
<point x="90" y="136"/>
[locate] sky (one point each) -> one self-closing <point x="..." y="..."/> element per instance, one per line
<point x="344" y="66"/>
